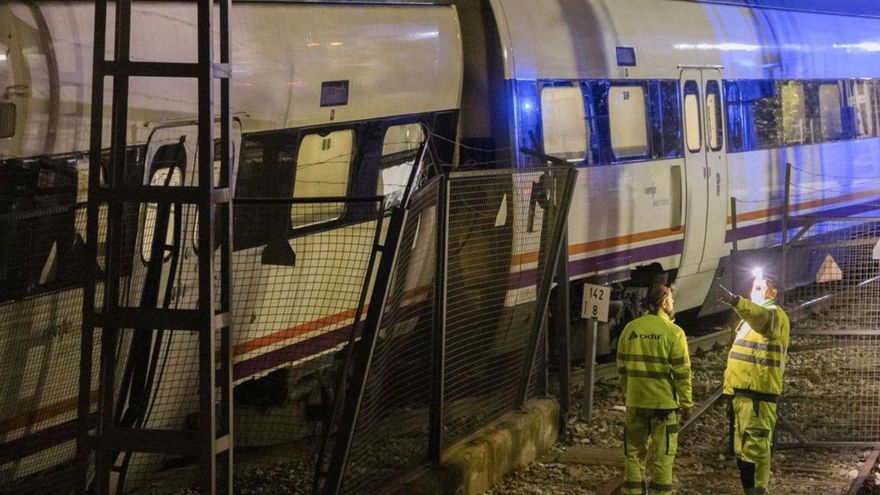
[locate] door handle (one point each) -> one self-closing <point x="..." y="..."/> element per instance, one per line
<point x="677" y="196"/>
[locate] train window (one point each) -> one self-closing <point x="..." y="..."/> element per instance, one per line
<point x="399" y="153"/>
<point x="7" y="120"/>
<point x="735" y="122"/>
<point x="714" y="128"/>
<point x="794" y="113"/>
<point x="665" y="119"/>
<point x="564" y="123"/>
<point x="628" y="121"/>
<point x="323" y="166"/>
<point x="693" y="134"/>
<point x="830" y="112"/>
<point x="876" y="108"/>
<point x="763" y="106"/>
<point x="169" y="177"/>
<point x="863" y="103"/>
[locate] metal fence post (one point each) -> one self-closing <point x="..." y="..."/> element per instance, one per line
<point x="733" y="254"/>
<point x="554" y="245"/>
<point x="589" y="368"/>
<point x="783" y="277"/>
<point x="438" y="344"/>
<point x="364" y="354"/>
<point x="563" y="334"/>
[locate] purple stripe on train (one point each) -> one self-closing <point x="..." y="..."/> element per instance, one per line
<point x="775" y="226"/>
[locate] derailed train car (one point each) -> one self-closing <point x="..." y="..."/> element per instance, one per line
<point x="667" y="107"/>
<point x="330" y="101"/>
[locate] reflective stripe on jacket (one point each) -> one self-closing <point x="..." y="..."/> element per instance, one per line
<point x="654" y="365"/>
<point x="757" y="358"/>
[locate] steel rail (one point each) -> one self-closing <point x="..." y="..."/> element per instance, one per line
<point x="613" y="486"/>
<point x="864" y="472"/>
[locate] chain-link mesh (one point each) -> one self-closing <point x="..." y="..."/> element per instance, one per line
<point x="296" y="296"/>
<point x="299" y="270"/>
<point x="832" y="379"/>
<point x="42" y="262"/>
<point x="502" y="236"/>
<point x="292" y="320"/>
<point x="392" y="429"/>
<point x="503" y="233"/>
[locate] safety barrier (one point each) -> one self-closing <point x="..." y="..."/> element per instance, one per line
<point x="832" y="378"/>
<point x="41" y="268"/>
<point x="827" y="257"/>
<point x="453" y="338"/>
<point x="300" y="268"/>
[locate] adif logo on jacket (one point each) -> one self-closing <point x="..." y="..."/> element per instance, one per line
<point x="647" y="336"/>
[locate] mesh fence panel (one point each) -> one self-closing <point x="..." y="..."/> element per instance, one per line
<point x="41" y="266"/>
<point x="299" y="269"/>
<point x="291" y="321"/>
<point x="501" y="224"/>
<point x="832" y="389"/>
<point x="392" y="429"/>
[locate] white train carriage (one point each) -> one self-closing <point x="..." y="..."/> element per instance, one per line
<point x="669" y="108"/>
<point x="330" y="100"/>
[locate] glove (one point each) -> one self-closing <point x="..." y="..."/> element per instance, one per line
<point x="684" y="415"/>
<point x="728" y="298"/>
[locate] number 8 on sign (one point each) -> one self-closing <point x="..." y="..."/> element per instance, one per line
<point x="596" y="302"/>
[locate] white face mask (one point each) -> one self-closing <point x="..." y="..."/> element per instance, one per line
<point x="759" y="289"/>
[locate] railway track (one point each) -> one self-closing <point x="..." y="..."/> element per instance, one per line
<point x="613" y="486"/>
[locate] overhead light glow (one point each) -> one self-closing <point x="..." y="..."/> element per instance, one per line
<point x="724" y="47"/>
<point x="865" y="46"/>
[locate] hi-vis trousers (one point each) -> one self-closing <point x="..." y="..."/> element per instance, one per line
<point x="754" y="422"/>
<point x="650" y="437"/>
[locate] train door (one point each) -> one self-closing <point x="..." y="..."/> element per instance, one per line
<point x="15" y="83"/>
<point x="164" y="275"/>
<point x="705" y="177"/>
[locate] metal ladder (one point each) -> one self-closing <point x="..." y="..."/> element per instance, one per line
<point x="98" y="433"/>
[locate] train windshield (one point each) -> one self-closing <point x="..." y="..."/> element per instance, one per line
<point x="399" y="154"/>
<point x="167" y="177"/>
<point x="323" y="167"/>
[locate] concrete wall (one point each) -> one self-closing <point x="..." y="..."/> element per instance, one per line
<point x="473" y="466"/>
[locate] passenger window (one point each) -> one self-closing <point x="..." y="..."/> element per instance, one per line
<point x="876" y="108"/>
<point x="323" y="166"/>
<point x="564" y="123"/>
<point x="829" y="112"/>
<point x="714" y="129"/>
<point x="628" y="120"/>
<point x="7" y="120"/>
<point x="399" y="153"/>
<point x="168" y="177"/>
<point x="794" y="115"/>
<point x="863" y="103"/>
<point x="693" y="135"/>
<point x="665" y="119"/>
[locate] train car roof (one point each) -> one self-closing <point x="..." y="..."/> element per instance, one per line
<point x="364" y="2"/>
<point x="579" y="39"/>
<point x="863" y="8"/>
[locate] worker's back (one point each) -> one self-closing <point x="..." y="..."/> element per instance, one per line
<point x="653" y="363"/>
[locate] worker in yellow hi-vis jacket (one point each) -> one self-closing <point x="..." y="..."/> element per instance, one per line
<point x="753" y="379"/>
<point x="655" y="374"/>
